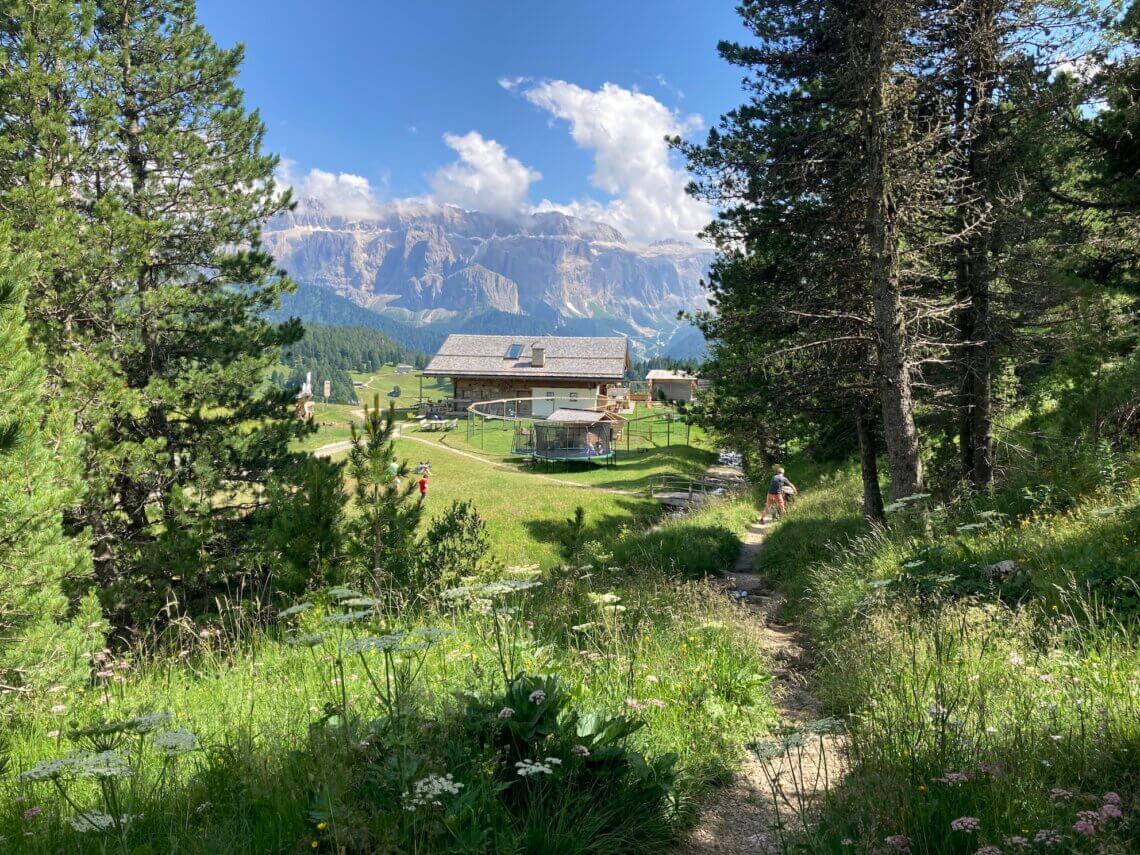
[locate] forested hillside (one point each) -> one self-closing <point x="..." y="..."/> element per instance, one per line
<point x="333" y="353"/>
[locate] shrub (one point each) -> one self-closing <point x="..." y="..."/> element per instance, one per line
<point x="453" y="547"/>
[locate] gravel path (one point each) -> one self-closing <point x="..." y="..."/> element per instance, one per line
<point x="743" y="817"/>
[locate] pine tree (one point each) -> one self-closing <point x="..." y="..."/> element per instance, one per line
<point x="382" y="533"/>
<point x="40" y="641"/>
<point x="304" y="540"/>
<point x="824" y="177"/>
<point x="152" y="316"/>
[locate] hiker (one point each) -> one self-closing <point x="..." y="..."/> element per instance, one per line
<point x="776" y="489"/>
<point x="423" y="486"/>
<point x="394" y="471"/>
<point x="424" y="468"/>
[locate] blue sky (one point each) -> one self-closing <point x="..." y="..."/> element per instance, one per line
<point x="501" y="106"/>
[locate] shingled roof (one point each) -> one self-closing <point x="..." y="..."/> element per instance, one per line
<point x="566" y="357"/>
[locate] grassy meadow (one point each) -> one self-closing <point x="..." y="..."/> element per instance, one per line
<point x="339" y="727"/>
<point x="986" y="664"/>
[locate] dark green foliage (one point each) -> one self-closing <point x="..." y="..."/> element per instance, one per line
<point x="615" y="797"/>
<point x="42" y="640"/>
<point x="349" y="348"/>
<point x="453" y="546"/>
<point x="142" y="184"/>
<point x="320" y="306"/>
<point x="572" y="540"/>
<point x="381" y="541"/>
<point x="304" y="548"/>
<point x="331" y="353"/>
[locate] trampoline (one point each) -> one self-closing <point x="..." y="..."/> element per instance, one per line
<point x="568" y="435"/>
<point x="587" y="434"/>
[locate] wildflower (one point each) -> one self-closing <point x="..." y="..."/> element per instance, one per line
<point x="580" y="750"/>
<point x="1059" y="794"/>
<point x="608" y="599"/>
<point x="1015" y="659"/>
<point x="321" y="826"/>
<point x="537" y="696"/>
<point x="31" y="813"/>
<point x="1111" y="799"/>
<point x="634" y="704"/>
<point x="1110" y="811"/>
<point x="650" y="678"/>
<point x="1045" y="678"/>
<point x="429" y="791"/>
<point x="1017" y="841"/>
<point x="506" y="712"/>
<point x="922" y="788"/>
<point x="529" y="767"/>
<point x="846" y="841"/>
<point x="1084" y="828"/>
<point x="530" y="624"/>
<point x="313" y="844"/>
<point x="94" y="820"/>
<point x="899" y="841"/>
<point x="656" y="702"/>
<point x="58" y="708"/>
<point x="988" y="850"/>
<point x="294" y="610"/>
<point x="175" y="741"/>
<point x="967" y="824"/>
<point x="955" y="778"/>
<point x="1047" y="837"/>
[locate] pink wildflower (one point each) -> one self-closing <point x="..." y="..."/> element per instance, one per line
<point x="968" y="824"/>
<point x="31" y="813"/>
<point x="1110" y="811"/>
<point x="899" y="841"/>
<point x="1084" y="828"/>
<point x="1017" y="841"/>
<point x="954" y="778"/>
<point x="1047" y="837"/>
<point x="988" y="850"/>
<point x="1111" y="799"/>
<point x="1059" y="794"/>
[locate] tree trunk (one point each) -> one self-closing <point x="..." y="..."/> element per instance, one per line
<point x="977" y="75"/>
<point x="894" y="369"/>
<point x="869" y="465"/>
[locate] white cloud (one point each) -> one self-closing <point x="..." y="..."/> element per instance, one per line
<point x="626" y="131"/>
<point x="341" y="194"/>
<point x="484" y="178"/>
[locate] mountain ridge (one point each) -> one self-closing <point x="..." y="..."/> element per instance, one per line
<point x="426" y="265"/>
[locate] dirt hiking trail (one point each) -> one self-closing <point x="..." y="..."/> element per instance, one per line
<point x="742" y="817"/>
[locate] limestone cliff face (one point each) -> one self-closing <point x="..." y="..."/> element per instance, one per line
<point x="431" y="261"/>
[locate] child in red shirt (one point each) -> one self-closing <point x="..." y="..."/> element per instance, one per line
<point x="423" y="486"/>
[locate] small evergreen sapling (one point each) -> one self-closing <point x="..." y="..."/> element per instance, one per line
<point x="381" y="535"/>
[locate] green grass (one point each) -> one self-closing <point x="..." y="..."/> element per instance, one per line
<point x="1014" y="687"/>
<point x="526" y="515"/>
<point x="382" y="382"/>
<point x="274" y="773"/>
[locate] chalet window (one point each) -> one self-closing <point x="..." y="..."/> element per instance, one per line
<point x="573" y="396"/>
<point x="513" y="351"/>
